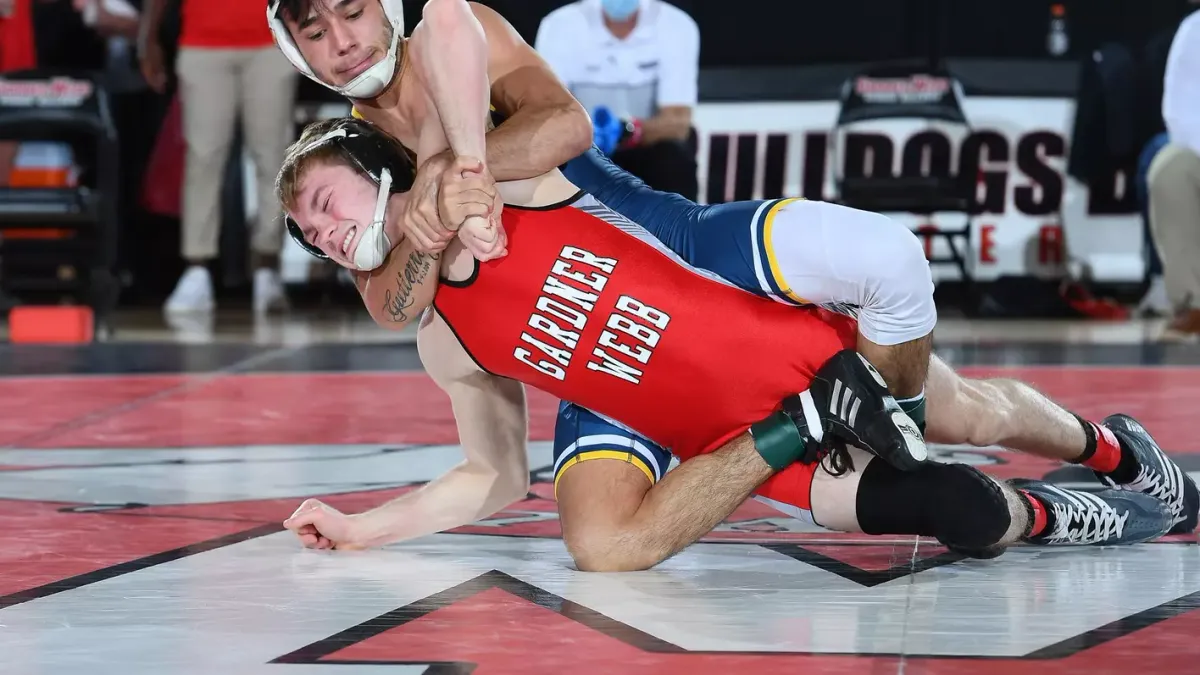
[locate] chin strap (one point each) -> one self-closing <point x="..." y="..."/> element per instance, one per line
<point x="374" y="245"/>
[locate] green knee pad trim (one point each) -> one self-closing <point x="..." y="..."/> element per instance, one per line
<point x="778" y="440"/>
<point x="915" y="409"/>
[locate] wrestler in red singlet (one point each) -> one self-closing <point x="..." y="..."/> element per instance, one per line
<point x="585" y="309"/>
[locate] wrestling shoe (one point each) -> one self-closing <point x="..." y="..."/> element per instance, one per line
<point x="848" y="402"/>
<point x="1157" y="475"/>
<point x="1104" y="518"/>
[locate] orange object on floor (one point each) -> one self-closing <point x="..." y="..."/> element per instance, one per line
<point x="58" y="324"/>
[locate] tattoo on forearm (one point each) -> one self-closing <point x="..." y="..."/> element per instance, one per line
<point x="416" y="269"/>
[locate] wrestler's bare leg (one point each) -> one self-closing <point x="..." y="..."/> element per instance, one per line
<point x="904" y="366"/>
<point x="1013" y="414"/>
<point x="998" y="411"/>
<point x="614" y="519"/>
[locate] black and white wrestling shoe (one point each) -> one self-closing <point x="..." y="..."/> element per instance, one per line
<point x="1156" y="474"/>
<point x="848" y="402"/>
<point x="1103" y="518"/>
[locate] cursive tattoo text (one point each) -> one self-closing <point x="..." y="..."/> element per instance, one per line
<point x="416" y="269"/>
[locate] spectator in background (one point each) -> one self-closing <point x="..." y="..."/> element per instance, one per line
<point x="16" y="53"/>
<point x="227" y="62"/>
<point x="1174" y="182"/>
<point x="634" y="65"/>
<point x="1155" y="302"/>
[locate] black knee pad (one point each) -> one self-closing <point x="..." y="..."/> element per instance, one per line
<point x="955" y="503"/>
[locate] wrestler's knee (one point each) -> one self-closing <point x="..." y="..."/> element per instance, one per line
<point x="607" y="550"/>
<point x="598" y="502"/>
<point x="955" y="503"/>
<point x="899" y="305"/>
<point x="971" y="510"/>
<point x="592" y="550"/>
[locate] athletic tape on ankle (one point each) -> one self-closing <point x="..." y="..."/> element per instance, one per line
<point x="778" y="440"/>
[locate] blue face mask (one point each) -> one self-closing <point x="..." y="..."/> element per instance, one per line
<point x="619" y="10"/>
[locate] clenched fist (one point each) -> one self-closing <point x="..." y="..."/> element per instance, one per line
<point x="322" y="527"/>
<point x="470" y="202"/>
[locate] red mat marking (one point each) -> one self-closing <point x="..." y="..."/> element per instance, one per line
<point x="45" y="403"/>
<point x="290" y="409"/>
<point x="39" y="545"/>
<point x="533" y="640"/>
<point x="503" y="633"/>
<point x="408" y="408"/>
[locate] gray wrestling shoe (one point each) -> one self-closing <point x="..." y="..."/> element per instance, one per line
<point x="1157" y="475"/>
<point x="1104" y="518"/>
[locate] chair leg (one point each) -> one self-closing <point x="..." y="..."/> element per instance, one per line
<point x="970" y="300"/>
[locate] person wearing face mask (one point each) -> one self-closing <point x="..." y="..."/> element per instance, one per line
<point x="634" y="65"/>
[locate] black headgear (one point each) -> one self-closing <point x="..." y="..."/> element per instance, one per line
<point x="374" y="154"/>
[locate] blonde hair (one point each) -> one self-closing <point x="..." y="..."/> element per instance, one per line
<point x="306" y="153"/>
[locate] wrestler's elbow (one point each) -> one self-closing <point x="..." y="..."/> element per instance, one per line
<point x="573" y="130"/>
<point x="511" y="486"/>
<point x="442" y="16"/>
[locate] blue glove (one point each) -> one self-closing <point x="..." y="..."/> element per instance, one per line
<point x="607" y="130"/>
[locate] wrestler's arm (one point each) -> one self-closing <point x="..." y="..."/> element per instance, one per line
<point x="491" y="418"/>
<point x="396" y="292"/>
<point x="715" y="237"/>
<point x="669" y="217"/>
<point x="452" y="51"/>
<point x="544" y="127"/>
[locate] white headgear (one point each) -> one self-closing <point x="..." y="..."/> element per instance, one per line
<point x="375" y="155"/>
<point x="368" y="83"/>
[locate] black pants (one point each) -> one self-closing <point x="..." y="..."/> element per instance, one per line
<point x="669" y="166"/>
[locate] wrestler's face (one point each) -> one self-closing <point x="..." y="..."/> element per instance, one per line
<point x="339" y="39"/>
<point x="334" y="206"/>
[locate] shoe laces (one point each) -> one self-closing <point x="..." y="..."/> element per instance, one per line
<point x="1152" y="483"/>
<point x="1086" y="524"/>
<point x="834" y="458"/>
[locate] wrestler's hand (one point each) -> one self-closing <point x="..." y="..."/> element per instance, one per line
<point x="320" y="526"/>
<point x="153" y="65"/>
<point x="470" y="202"/>
<point x="420" y="221"/>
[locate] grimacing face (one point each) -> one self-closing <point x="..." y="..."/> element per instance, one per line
<point x="334" y="206"/>
<point x="339" y="39"/>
